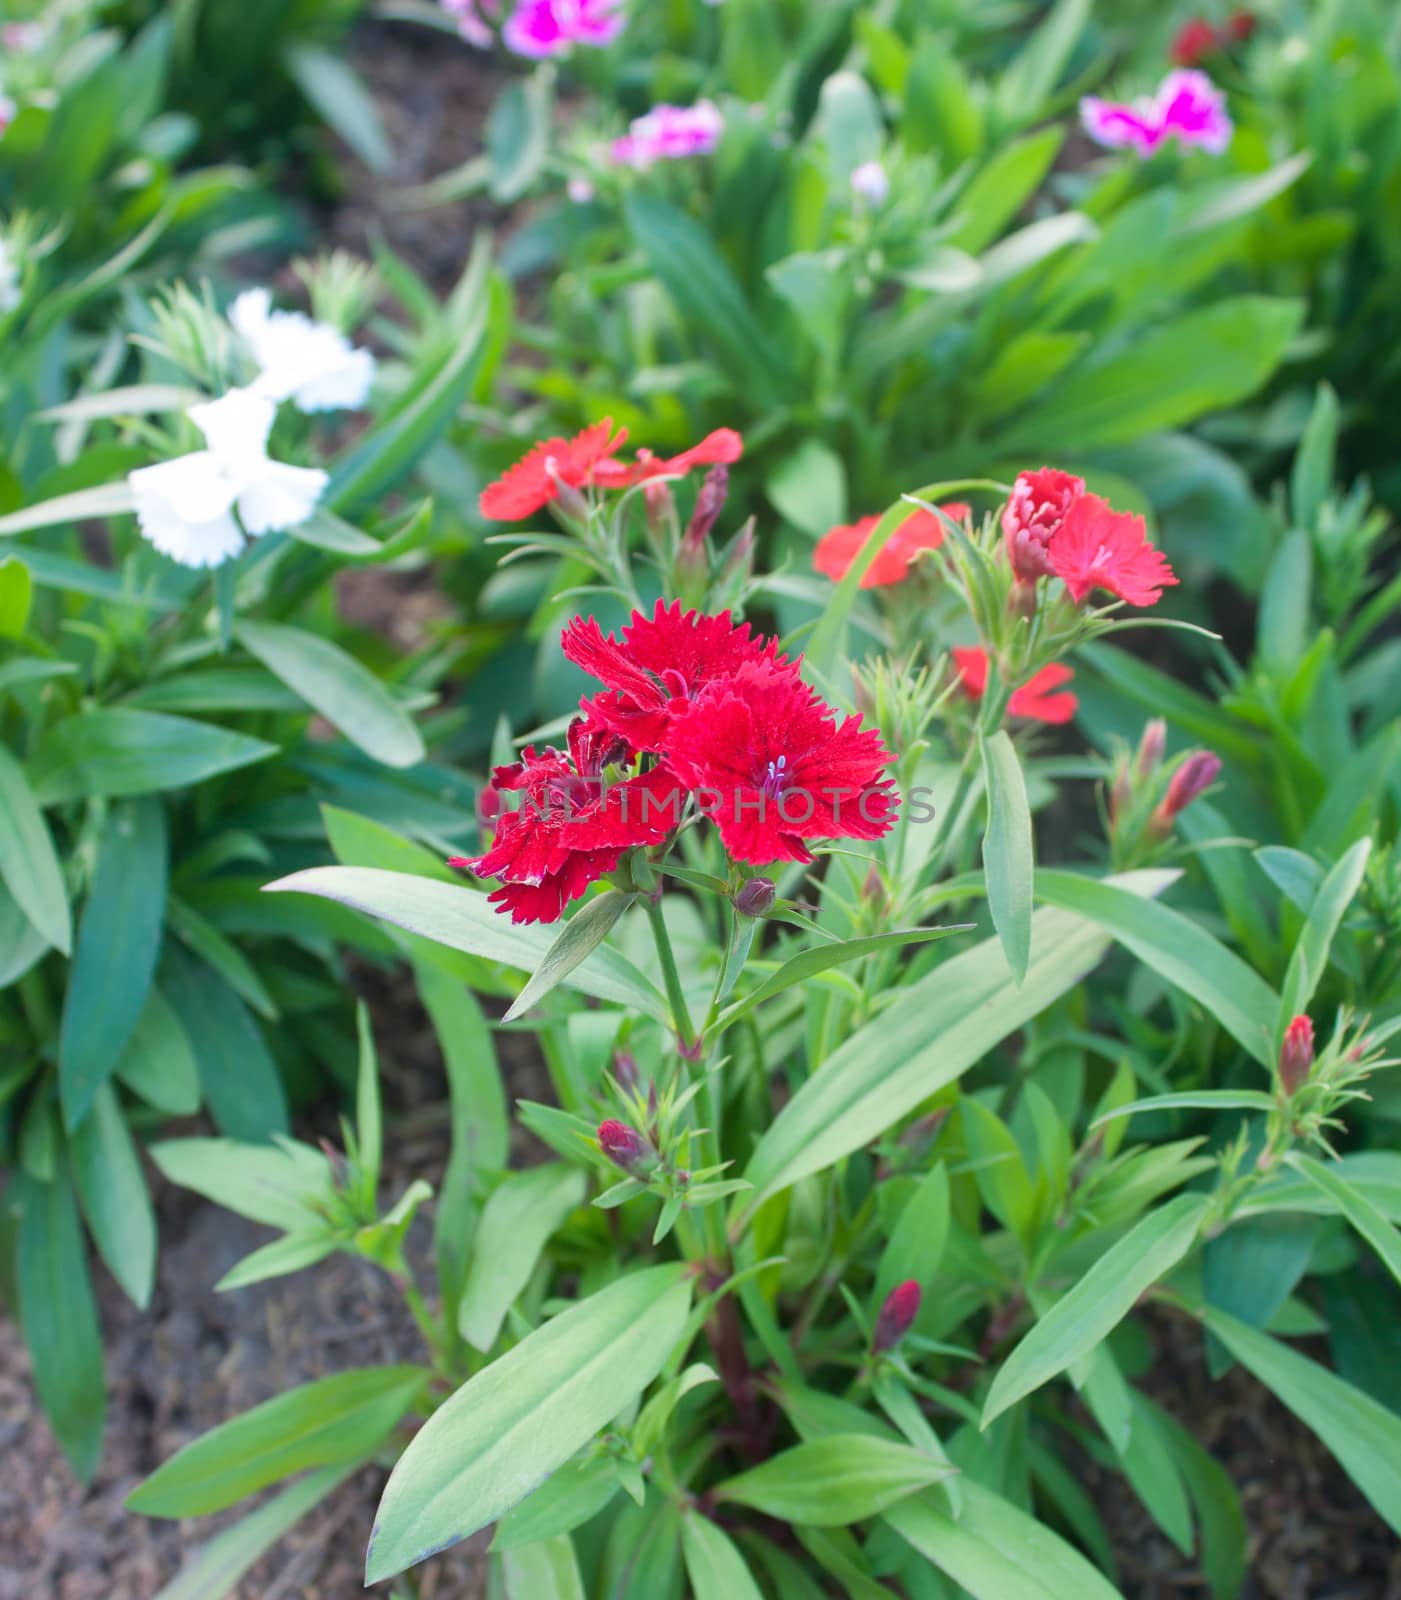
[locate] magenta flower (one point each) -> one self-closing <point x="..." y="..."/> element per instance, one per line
<point x="542" y="28"/>
<point x="670" y="133"/>
<point x="1187" y="107"/>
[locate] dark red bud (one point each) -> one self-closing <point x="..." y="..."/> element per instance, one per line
<point x="1152" y="747"/>
<point x="897" y="1316"/>
<point x="1194" y="777"/>
<point x="624" y="1146"/>
<point x="625" y="1069"/>
<point x="710" y="502"/>
<point x="755" y="898"/>
<point x="1296" y="1055"/>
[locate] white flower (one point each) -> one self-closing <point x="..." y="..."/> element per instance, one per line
<point x="310" y="363"/>
<point x="186" y="506"/>
<point x="871" y="183"/>
<point x="9" y="281"/>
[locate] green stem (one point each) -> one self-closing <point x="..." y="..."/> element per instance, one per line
<point x="676" y="998"/>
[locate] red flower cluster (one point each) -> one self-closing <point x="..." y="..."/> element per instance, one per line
<point x="1052" y="527"/>
<point x="590" y="458"/>
<point x="839" y="547"/>
<point x="732" y="726"/>
<point x="1037" y="699"/>
<point x="1198" y="39"/>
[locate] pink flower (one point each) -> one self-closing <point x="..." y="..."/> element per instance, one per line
<point x="624" y="1146"/>
<point x="870" y="182"/>
<point x="1296" y="1055"/>
<point x="840" y="546"/>
<point x="1187" y="107"/>
<point x="897" y="1316"/>
<point x="543" y="28"/>
<point x="1032" y="517"/>
<point x="472" y="21"/>
<point x="670" y="133"/>
<point x="1097" y="547"/>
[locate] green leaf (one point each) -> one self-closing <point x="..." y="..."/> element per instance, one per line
<point x="131" y="400"/>
<point x="1203" y="360"/>
<point x="215" y="1568"/>
<point x="333" y="87"/>
<point x="683" y="256"/>
<point x="1216" y="1500"/>
<point x="1099" y="1301"/>
<point x="29" y="864"/>
<point x="369" y="1114"/>
<point x="1194" y="1100"/>
<point x="932" y="1032"/>
<point x="1178" y="950"/>
<point x="808" y="486"/>
<point x="997" y="1552"/>
<point x="545" y="1571"/>
<point x="1310" y="957"/>
<point x="350" y="698"/>
<point x="158" y="1063"/>
<point x="918" y="1237"/>
<point x="112" y="1190"/>
<point x="463" y="919"/>
<point x="576" y="942"/>
<point x="319" y="1424"/>
<point x="572" y="1496"/>
<point x="713" y="1563"/>
<point x="518" y="134"/>
<point x="1001" y="187"/>
<point x="107" y="500"/>
<point x="821" y="958"/>
<point x="59" y="1318"/>
<point x="1363" y="1435"/>
<point x="16" y="596"/>
<point x="277" y="1186"/>
<point x="524" y="1416"/>
<point x="279" y="1259"/>
<point x="1009" y="858"/>
<point x="830" y="1482"/>
<point x="1035" y="71"/>
<point x="1311" y="480"/>
<point x="111" y="751"/>
<point x="326" y="531"/>
<point x="517" y="1221"/>
<point x="1283" y="631"/>
<point x="1356" y="1207"/>
<point x="119" y="942"/>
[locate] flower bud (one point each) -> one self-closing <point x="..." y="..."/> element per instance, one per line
<point x="571" y="504"/>
<point x="1296" y="1055"/>
<point x="660" y="503"/>
<point x="897" y="1316"/>
<point x="1194" y="777"/>
<point x="625" y="1147"/>
<point x="870" y="182"/>
<point x="1152" y="747"/>
<point x="1032" y="517"/>
<point x="625" y="1069"/>
<point x="755" y="897"/>
<point x="710" y="502"/>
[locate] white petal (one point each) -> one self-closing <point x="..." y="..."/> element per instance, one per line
<point x="237" y="425"/>
<point x="183" y="508"/>
<point x="280" y="497"/>
<point x="249" y="314"/>
<point x="343" y="387"/>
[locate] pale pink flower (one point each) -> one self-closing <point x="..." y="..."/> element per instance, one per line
<point x="472" y="19"/>
<point x="542" y="28"/>
<point x="670" y="133"/>
<point x="871" y="183"/>
<point x="1187" y="107"/>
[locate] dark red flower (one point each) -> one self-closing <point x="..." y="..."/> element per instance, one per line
<point x="1193" y="42"/>
<point x="897" y="1316"/>
<point x="534" y="481"/>
<point x="1097" y="547"/>
<point x="772" y="767"/>
<point x="1240" y="25"/>
<point x="570" y="831"/>
<point x="1032" y="517"/>
<point x="1036" y="699"/>
<point x="720" y="448"/>
<point x="839" y="547"/>
<point x="659" y="664"/>
<point x="1296" y="1054"/>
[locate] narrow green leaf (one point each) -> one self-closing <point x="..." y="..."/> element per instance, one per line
<point x="572" y="1496"/>
<point x="516" y="1224"/>
<point x="1310" y="958"/>
<point x="369" y="1123"/>
<point x="116" y="752"/>
<point x="29" y="864"/>
<point x="830" y="1482"/>
<point x="463" y="919"/>
<point x="334" y="88"/>
<point x="16" y="597"/>
<point x="918" y="1237"/>
<point x="1178" y="950"/>
<point x="318" y="1424"/>
<point x="119" y="942"/>
<point x="524" y="1416"/>
<point x="1099" y="1301"/>
<point x="545" y="1571"/>
<point x="280" y="1186"/>
<point x="350" y="698"/>
<point x="112" y="1190"/>
<point x="158" y="1063"/>
<point x="107" y="500"/>
<point x="1008" y="855"/>
<point x="1356" y="1207"/>
<point x="59" y="1317"/>
<point x="714" y="1564"/>
<point x="576" y="942"/>
<point x="1194" y="1100"/>
<point x="1363" y="1435"/>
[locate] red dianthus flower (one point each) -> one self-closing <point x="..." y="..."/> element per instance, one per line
<point x="720" y="448"/>
<point x="1033" y="516"/>
<point x="660" y="663"/>
<point x="1194" y="41"/>
<point x="772" y="767"/>
<point x="1097" y="547"/>
<point x="839" y="547"/>
<point x="1035" y="700"/>
<point x="534" y="481"/>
